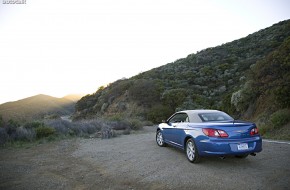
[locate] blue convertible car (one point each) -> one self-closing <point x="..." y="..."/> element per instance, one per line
<point x="209" y="133"/>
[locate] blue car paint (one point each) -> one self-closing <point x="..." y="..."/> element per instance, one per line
<point x="238" y="131"/>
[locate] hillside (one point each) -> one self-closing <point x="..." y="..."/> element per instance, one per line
<point x="239" y="77"/>
<point x="37" y="107"/>
<point x="73" y="97"/>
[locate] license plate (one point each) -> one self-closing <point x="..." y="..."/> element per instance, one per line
<point x="243" y="146"/>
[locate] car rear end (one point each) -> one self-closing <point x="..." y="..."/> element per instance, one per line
<point x="229" y="138"/>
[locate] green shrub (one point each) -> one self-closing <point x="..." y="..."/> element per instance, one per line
<point x="115" y="117"/>
<point x="1" y="121"/>
<point x="145" y="92"/>
<point x="24" y="134"/>
<point x="280" y="118"/>
<point x="3" y="136"/>
<point x="264" y="129"/>
<point x="33" y="125"/>
<point x="44" y="131"/>
<point x="127" y="131"/>
<point x="135" y="124"/>
<point x="268" y="132"/>
<point x="61" y="127"/>
<point x="159" y="113"/>
<point x="174" y="97"/>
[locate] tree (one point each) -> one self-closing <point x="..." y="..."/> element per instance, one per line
<point x="1" y="121"/>
<point x="174" y="97"/>
<point x="145" y="92"/>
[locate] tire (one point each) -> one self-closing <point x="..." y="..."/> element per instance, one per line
<point x="159" y="139"/>
<point x="191" y="151"/>
<point x="243" y="156"/>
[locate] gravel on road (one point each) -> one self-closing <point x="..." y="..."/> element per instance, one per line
<point x="136" y="162"/>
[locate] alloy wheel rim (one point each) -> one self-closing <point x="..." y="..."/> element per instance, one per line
<point x="159" y="138"/>
<point x="190" y="151"/>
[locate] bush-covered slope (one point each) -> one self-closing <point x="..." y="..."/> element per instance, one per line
<point x="233" y="77"/>
<point x="36" y="107"/>
<point x="265" y="97"/>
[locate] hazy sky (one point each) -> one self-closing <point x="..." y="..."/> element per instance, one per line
<point x="58" y="47"/>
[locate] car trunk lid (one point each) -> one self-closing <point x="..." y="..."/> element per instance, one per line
<point x="235" y="129"/>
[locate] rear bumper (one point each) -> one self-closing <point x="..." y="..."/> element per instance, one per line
<point x="223" y="147"/>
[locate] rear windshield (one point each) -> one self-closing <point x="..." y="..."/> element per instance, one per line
<point x="217" y="116"/>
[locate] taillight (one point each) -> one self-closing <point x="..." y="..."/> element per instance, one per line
<point x="215" y="133"/>
<point x="254" y="131"/>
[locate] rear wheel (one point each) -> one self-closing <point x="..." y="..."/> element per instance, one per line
<point x="191" y="151"/>
<point x="159" y="139"/>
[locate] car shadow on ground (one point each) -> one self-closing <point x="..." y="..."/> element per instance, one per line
<point x="210" y="160"/>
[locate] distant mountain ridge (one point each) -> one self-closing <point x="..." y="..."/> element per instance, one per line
<point x="74" y="97"/>
<point x="221" y="77"/>
<point x="37" y="107"/>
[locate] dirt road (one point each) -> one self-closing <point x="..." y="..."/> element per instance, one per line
<point x="136" y="162"/>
